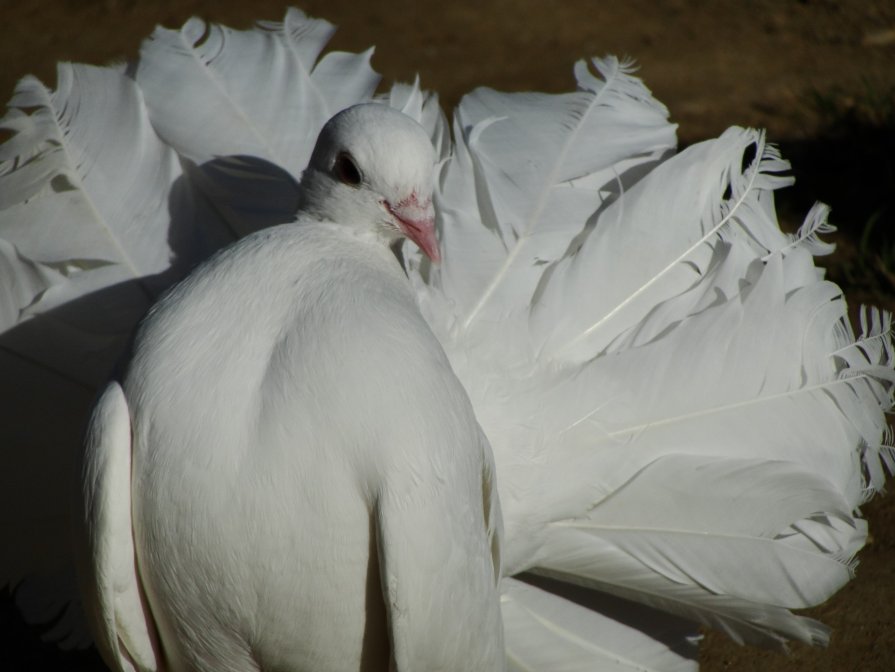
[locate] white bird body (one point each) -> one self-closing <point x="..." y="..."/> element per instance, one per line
<point x="683" y="422"/>
<point x="328" y="449"/>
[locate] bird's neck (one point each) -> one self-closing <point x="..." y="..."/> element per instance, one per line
<point x="321" y="200"/>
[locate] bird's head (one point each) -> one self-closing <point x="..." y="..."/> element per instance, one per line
<point x="372" y="168"/>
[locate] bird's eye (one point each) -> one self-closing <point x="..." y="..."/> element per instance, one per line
<point x="346" y="170"/>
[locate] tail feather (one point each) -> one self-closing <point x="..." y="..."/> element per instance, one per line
<point x="554" y="626"/>
<point x="743" y="620"/>
<point x="260" y="93"/>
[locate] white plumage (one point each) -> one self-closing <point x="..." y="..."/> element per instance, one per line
<point x="679" y="412"/>
<point x="329" y="470"/>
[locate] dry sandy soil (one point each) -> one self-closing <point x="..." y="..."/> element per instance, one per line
<point x="819" y="75"/>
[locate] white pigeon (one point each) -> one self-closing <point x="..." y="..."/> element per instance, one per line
<point x="683" y="423"/>
<point x="328" y="500"/>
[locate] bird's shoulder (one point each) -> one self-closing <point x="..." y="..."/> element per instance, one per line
<point x="301" y="307"/>
<point x="277" y="276"/>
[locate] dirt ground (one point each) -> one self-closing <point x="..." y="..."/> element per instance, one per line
<point x="818" y="75"/>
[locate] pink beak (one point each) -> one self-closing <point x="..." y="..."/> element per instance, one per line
<point x="417" y="221"/>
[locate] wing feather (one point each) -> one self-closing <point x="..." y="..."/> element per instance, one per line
<point x="120" y="615"/>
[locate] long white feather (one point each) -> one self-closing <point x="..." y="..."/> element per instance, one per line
<point x="260" y="93"/>
<point x="553" y="626"/>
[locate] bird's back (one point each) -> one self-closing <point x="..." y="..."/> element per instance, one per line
<point x="318" y="393"/>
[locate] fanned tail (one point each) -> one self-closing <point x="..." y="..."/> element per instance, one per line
<point x="680" y="413"/>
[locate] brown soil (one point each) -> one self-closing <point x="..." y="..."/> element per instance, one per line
<point x="818" y="74"/>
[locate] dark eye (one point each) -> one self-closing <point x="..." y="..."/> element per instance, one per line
<point x="346" y="170"/>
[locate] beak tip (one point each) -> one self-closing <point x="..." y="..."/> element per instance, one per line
<point x="425" y="239"/>
<point x="418" y="223"/>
